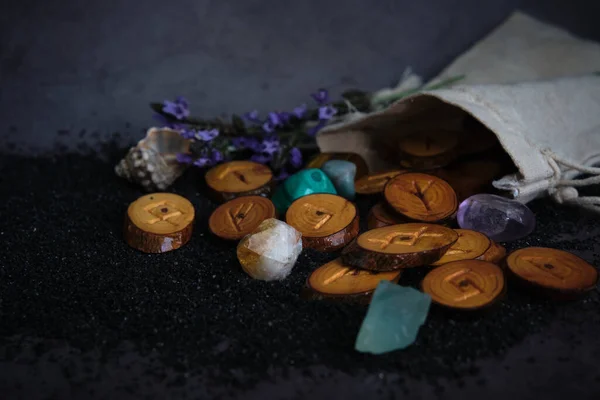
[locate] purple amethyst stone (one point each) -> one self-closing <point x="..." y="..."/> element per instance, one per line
<point x="501" y="219"/>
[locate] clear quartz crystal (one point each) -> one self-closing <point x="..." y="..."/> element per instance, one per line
<point x="499" y="218"/>
<point x="270" y="252"/>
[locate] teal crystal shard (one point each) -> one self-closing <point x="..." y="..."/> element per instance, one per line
<point x="342" y="175"/>
<point x="302" y="183"/>
<point x="393" y="319"/>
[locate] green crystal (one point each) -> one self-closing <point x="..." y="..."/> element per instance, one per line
<point x="393" y="319"/>
<point x="302" y="183"/>
<point x="342" y="175"/>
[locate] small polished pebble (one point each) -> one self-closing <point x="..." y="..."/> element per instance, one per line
<point x="342" y="174"/>
<point x="270" y="252"/>
<point x="499" y="218"/>
<point x="302" y="183"/>
<point x="393" y="319"/>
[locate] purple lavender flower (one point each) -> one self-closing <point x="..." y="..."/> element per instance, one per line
<point x="275" y="119"/>
<point x="270" y="145"/>
<point x="327" y="112"/>
<point x="268" y="127"/>
<point x="261" y="158"/>
<point x="300" y="111"/>
<point x="184" y="158"/>
<point x="252" y="116"/>
<point x="253" y="144"/>
<point x="203" y="162"/>
<point x="178" y="108"/>
<point x="283" y="174"/>
<point x="321" y="97"/>
<point x="217" y="156"/>
<point x="188" y="133"/>
<point x="239" y="142"/>
<point x="207" y="135"/>
<point x="285" y="117"/>
<point x="242" y="142"/>
<point x="313" y="131"/>
<point x="295" y="157"/>
<point x="165" y="122"/>
<point x="183" y="102"/>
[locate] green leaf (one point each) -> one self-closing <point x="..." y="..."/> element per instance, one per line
<point x="445" y="82"/>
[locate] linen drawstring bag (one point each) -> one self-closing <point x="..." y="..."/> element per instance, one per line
<point x="536" y="87"/>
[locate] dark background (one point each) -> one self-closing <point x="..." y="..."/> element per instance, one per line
<point x="83" y="316"/>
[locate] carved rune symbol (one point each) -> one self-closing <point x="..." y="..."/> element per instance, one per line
<point x="340" y="274"/>
<point x="322" y="215"/>
<point x="380" y="179"/>
<point x="237" y="171"/>
<point x="456" y="251"/>
<point x="420" y="192"/>
<point x="466" y="286"/>
<point x="544" y="264"/>
<point x="162" y="211"/>
<point x="407" y="239"/>
<point x="237" y="215"/>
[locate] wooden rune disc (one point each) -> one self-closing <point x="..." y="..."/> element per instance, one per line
<point x="552" y="269"/>
<point x="421" y="197"/>
<point x="494" y="254"/>
<point x="427" y="150"/>
<point x="159" y="222"/>
<point x="239" y="178"/>
<point x="380" y="216"/>
<point x="465" y="284"/>
<point x="470" y="177"/>
<point x="427" y="144"/>
<point x="240" y="216"/>
<point x="374" y="183"/>
<point x="362" y="168"/>
<point x="399" y="246"/>
<point x="336" y="280"/>
<point x="327" y="221"/>
<point x="469" y="246"/>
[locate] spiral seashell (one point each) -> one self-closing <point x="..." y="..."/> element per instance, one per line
<point x="152" y="163"/>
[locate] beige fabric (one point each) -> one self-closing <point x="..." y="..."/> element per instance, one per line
<point x="529" y="82"/>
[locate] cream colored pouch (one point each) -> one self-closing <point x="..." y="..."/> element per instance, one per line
<point x="535" y="86"/>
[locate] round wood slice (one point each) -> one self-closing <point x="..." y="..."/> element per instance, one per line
<point x="465" y="284"/>
<point x="374" y="183"/>
<point x="380" y="215"/>
<point x="552" y="270"/>
<point x="240" y="216"/>
<point x="421" y="197"/>
<point x="159" y="222"/>
<point x="399" y="246"/>
<point x="239" y="178"/>
<point x="335" y="280"/>
<point x="362" y="168"/>
<point x="327" y="222"/>
<point x="494" y="254"/>
<point x="471" y="177"/>
<point x="428" y="150"/>
<point x="469" y="246"/>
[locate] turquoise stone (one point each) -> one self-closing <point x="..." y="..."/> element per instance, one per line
<point x="342" y="175"/>
<point x="302" y="183"/>
<point x="393" y="319"/>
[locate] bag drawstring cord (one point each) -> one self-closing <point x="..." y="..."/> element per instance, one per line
<point x="564" y="191"/>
